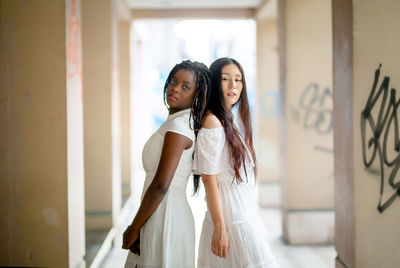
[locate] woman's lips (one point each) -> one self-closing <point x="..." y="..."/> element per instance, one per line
<point x="172" y="98"/>
<point x="231" y="94"/>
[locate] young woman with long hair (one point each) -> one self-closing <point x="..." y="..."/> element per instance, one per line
<point x="162" y="233"/>
<point x="232" y="233"/>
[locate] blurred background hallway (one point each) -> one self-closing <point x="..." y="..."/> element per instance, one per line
<point x="81" y="91"/>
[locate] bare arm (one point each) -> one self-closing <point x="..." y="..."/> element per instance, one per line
<point x="220" y="242"/>
<point x="174" y="145"/>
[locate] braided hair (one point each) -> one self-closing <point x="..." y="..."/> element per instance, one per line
<point x="201" y="96"/>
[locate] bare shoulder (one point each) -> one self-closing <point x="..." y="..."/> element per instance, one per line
<point x="211" y="121"/>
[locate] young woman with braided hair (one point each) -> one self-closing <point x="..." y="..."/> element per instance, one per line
<point x="232" y="233"/>
<point x="162" y="233"/>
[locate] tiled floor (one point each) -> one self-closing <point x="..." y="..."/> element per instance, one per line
<point x="286" y="256"/>
<point x="94" y="240"/>
<point x="294" y="256"/>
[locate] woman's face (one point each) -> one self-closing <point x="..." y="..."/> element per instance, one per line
<point x="180" y="90"/>
<point x="231" y="84"/>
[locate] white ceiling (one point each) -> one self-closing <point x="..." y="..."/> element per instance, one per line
<point x="145" y="4"/>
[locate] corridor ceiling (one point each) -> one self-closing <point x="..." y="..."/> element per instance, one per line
<point x="157" y="4"/>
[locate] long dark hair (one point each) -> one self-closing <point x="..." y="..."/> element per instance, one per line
<point x="201" y="96"/>
<point x="216" y="105"/>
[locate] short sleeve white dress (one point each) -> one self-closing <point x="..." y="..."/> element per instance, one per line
<point x="248" y="247"/>
<point x="167" y="239"/>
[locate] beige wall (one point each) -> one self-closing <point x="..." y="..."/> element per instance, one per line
<point x="365" y="36"/>
<point x="115" y="115"/>
<point x="309" y="104"/>
<point x="106" y="108"/>
<point x="267" y="108"/>
<point x="39" y="136"/>
<point x="376" y="41"/>
<point x="268" y="100"/>
<point x="97" y="71"/>
<point x="124" y="78"/>
<point x="308" y="184"/>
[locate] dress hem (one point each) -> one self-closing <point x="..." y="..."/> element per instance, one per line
<point x="269" y="264"/>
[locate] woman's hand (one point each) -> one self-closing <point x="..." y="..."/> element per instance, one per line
<point x="220" y="242"/>
<point x="135" y="248"/>
<point x="131" y="239"/>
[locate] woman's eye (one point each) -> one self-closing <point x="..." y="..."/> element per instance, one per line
<point x="173" y="82"/>
<point x="185" y="87"/>
<point x="238" y="80"/>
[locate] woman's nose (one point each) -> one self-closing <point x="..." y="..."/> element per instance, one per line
<point x="174" y="88"/>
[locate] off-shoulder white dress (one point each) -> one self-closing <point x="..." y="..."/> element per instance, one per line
<point x="167" y="239"/>
<point x="248" y="247"/>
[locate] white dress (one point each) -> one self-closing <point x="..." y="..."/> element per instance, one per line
<point x="167" y="239"/>
<point x="248" y="247"/>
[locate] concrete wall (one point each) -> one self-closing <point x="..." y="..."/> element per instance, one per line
<point x="41" y="134"/>
<point x="376" y="29"/>
<point x="124" y="84"/>
<point x="101" y="124"/>
<point x="106" y="40"/>
<point x="307" y="103"/>
<point x="342" y="56"/>
<point x="268" y="139"/>
<point x="374" y="201"/>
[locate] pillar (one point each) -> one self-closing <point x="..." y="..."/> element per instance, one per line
<point x="366" y="84"/>
<point x="41" y="134"/>
<point x="306" y="120"/>
<point x="101" y="114"/>
<point x="267" y="108"/>
<point x="124" y="28"/>
<point x="140" y="117"/>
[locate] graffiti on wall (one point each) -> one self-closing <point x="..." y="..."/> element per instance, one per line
<point x="316" y="103"/>
<point x="314" y="112"/>
<point x="380" y="137"/>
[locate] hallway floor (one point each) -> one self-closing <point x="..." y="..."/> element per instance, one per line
<point x="286" y="256"/>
